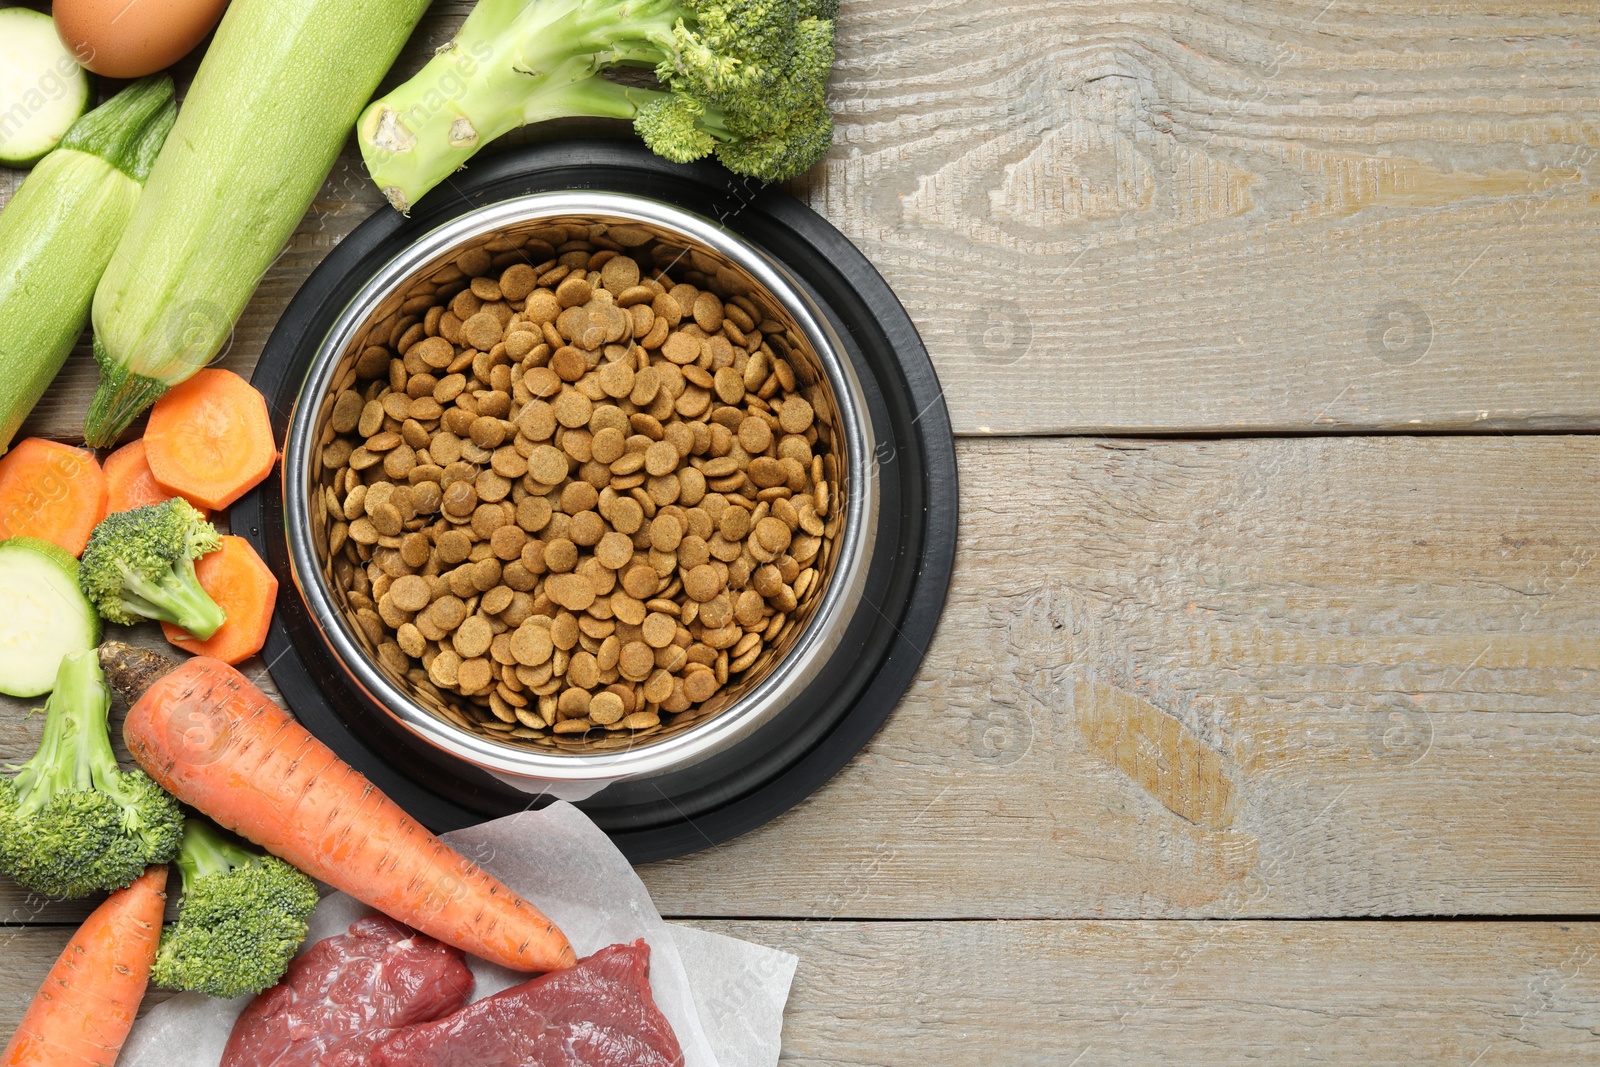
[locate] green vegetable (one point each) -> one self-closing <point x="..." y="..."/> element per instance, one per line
<point x="271" y="105"/>
<point x="42" y="88"/>
<point x="242" y="918"/>
<point x="744" y="79"/>
<point x="139" y="564"/>
<point x="57" y="235"/>
<point x="71" y="823"/>
<point x="43" y="615"/>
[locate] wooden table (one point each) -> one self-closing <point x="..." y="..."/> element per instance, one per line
<point x="1261" y="722"/>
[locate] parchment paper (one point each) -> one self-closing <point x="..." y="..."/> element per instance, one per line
<point x="723" y="997"/>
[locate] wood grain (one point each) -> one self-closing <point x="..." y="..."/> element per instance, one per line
<point x="1150" y="216"/>
<point x="1271" y="677"/>
<point x="1098" y="993"/>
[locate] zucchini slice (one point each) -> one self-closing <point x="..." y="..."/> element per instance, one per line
<point x="43" y="615"/>
<point x="42" y="88"/>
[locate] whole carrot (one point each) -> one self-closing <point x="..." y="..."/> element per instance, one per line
<point x="82" y="1013"/>
<point x="213" y="740"/>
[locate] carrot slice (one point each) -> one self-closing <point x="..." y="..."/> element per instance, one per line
<point x="131" y="482"/>
<point x="51" y="491"/>
<point x="236" y="578"/>
<point x="209" y="439"/>
<point x="83" y="1012"/>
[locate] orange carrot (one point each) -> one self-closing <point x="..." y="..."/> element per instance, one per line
<point x="131" y="482"/>
<point x="213" y="740"/>
<point x="51" y="491"/>
<point x="209" y="439"/>
<point x="82" y="1013"/>
<point x="240" y="583"/>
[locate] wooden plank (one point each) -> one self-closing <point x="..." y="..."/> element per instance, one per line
<point x="1291" y="215"/>
<point x="1149" y="216"/>
<point x="1089" y="994"/>
<point x="1287" y="677"/>
<point x="1178" y="993"/>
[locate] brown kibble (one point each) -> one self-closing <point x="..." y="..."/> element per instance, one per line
<point x="636" y="661"/>
<point x="659" y="629"/>
<point x="661" y="459"/>
<point x="482" y="331"/>
<point x="573" y="409"/>
<point x="569" y="363"/>
<point x="435" y="352"/>
<point x="619" y="274"/>
<point x="700" y="685"/>
<point x="773" y="534"/>
<point x="517" y="281"/>
<point x="547" y="465"/>
<point x="681" y="348"/>
<point x="560" y="555"/>
<point x="475" y="675"/>
<point x="472" y="638"/>
<point x="571" y="591"/>
<point x="702" y="582"/>
<point x="614" y="550"/>
<point x="460" y="499"/>
<point x="410" y="593"/>
<point x="640" y="581"/>
<point x="487" y="432"/>
<point x="796" y="415"/>
<point x="454" y="546"/>
<point x="531" y="644"/>
<point x="573" y="290"/>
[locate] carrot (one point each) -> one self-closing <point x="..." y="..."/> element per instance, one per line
<point x="82" y="1013"/>
<point x="51" y="491"/>
<point x="131" y="482"/>
<point x="245" y="590"/>
<point x="209" y="439"/>
<point x="213" y="740"/>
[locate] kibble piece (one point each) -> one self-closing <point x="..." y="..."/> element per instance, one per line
<point x="472" y="638"/>
<point x="702" y="582"/>
<point x="547" y="465"/>
<point x="614" y="550"/>
<point x="531" y="644"/>
<point x="482" y="331"/>
<point x="475" y="675"/>
<point x="700" y="685"/>
<point x="659" y="629"/>
<point x="454" y="546"/>
<point x="410" y="593"/>
<point x="605" y="709"/>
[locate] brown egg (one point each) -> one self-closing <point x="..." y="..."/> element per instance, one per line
<point x="132" y="38"/>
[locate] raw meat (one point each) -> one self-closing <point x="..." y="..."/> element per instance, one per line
<point x="348" y="993"/>
<point x="596" y="1014"/>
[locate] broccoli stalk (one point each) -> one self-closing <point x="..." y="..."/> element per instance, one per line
<point x="139" y="564"/>
<point x="744" y="79"/>
<point x="71" y="822"/>
<point x="242" y="918"/>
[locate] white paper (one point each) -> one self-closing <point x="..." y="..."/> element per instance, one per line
<point x="723" y="997"/>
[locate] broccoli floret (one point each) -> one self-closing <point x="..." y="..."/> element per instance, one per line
<point x="745" y="80"/>
<point x="139" y="564"/>
<point x="242" y="917"/>
<point x="71" y="822"/>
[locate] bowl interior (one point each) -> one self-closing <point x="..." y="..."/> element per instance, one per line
<point x="384" y="319"/>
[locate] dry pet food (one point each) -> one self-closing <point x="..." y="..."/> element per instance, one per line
<point x="575" y="486"/>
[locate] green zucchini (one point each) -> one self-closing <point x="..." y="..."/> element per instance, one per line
<point x="58" y="232"/>
<point x="43" y="615"/>
<point x="271" y="106"/>
<point x="43" y="91"/>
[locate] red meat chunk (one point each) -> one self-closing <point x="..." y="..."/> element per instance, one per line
<point x="347" y="994"/>
<point x="597" y="1014"/>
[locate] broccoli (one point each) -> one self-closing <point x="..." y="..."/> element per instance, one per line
<point x="71" y="822"/>
<point x="745" y="80"/>
<point x="242" y="917"/>
<point x="139" y="564"/>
